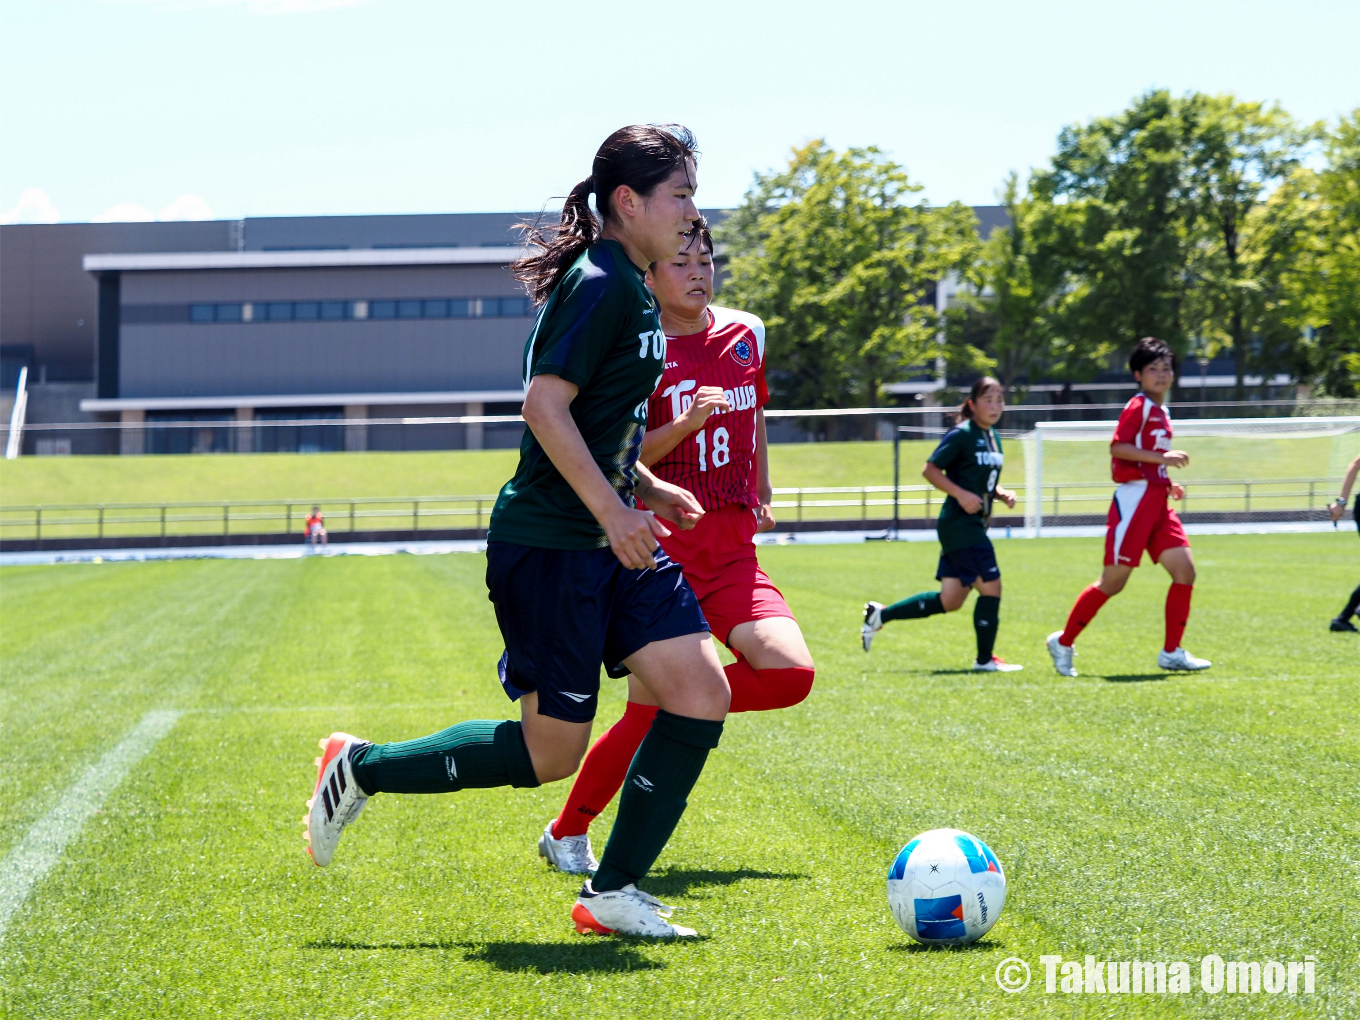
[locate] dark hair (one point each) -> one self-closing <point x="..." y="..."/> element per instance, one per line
<point x="981" y="386"/>
<point x="1148" y="350"/>
<point x="641" y="156"/>
<point x="702" y="234"/>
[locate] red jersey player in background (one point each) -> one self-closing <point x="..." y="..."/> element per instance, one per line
<point x="1140" y="517"/>
<point x="706" y="433"/>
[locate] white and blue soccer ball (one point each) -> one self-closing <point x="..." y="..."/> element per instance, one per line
<point x="946" y="888"/>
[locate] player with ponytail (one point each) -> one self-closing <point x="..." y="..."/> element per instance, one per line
<point x="965" y="466"/>
<point x="573" y="564"/>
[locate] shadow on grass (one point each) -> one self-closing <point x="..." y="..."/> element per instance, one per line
<point x="1135" y="678"/>
<point x="585" y="956"/>
<point x="916" y="947"/>
<point x="370" y="946"/>
<point x="676" y="882"/>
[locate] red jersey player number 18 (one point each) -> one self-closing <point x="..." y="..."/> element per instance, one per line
<point x="717" y="461"/>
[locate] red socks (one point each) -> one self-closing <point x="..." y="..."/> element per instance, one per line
<point x="606" y="764"/>
<point x="603" y="771"/>
<point x="1083" y="612"/>
<point x="1177" y="614"/>
<point x="759" y="690"/>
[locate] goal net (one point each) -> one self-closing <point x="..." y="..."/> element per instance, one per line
<point x="1240" y="470"/>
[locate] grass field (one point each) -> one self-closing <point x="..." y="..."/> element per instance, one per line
<point x="153" y="479"/>
<point x="1138" y="815"/>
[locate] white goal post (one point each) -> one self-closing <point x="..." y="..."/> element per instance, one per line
<point x="1101" y="431"/>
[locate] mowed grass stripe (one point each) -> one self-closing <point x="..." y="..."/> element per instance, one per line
<point x="41" y="848"/>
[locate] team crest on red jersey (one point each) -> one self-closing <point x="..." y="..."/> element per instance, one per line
<point x="742" y="353"/>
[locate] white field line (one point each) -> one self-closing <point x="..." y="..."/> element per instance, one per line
<point x="42" y="846"/>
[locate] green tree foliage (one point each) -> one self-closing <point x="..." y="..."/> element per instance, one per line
<point x="832" y="254"/>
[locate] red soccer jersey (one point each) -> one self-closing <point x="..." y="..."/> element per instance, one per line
<point x="1147" y="425"/>
<point x="716" y="463"/>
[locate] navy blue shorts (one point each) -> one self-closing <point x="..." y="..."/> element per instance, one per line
<point x="977" y="562"/>
<point x="563" y="612"/>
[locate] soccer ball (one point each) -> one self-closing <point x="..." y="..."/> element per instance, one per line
<point x="946" y="888"/>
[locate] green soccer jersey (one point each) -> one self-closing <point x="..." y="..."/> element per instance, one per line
<point x="970" y="456"/>
<point x="601" y="330"/>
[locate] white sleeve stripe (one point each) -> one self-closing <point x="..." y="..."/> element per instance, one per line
<point x="723" y="316"/>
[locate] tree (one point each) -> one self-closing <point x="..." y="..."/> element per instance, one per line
<point x="1333" y="339"/>
<point x="1235" y="153"/>
<point x="831" y="254"/>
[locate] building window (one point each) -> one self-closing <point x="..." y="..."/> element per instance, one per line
<point x="382" y="309"/>
<point x="280" y="311"/>
<point x="335" y="311"/>
<point x="306" y="311"/>
<point x="201" y="313"/>
<point x="437" y="309"/>
<point x="408" y="309"/>
<point x="331" y="310"/>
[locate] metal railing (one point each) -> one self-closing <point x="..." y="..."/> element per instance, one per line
<point x="880" y="504"/>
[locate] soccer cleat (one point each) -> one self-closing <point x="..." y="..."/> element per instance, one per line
<point x="1062" y="654"/>
<point x="337" y="799"/>
<point x="873" y="623"/>
<point x="1344" y="626"/>
<point x="1181" y="659"/>
<point x="997" y="665"/>
<point x="626" y="911"/>
<point x="571" y="854"/>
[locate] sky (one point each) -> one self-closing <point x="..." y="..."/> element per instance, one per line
<point x="195" y="109"/>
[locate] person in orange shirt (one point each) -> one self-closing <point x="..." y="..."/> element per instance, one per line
<point x="315" y="531"/>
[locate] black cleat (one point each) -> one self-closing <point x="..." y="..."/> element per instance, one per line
<point x="1341" y="625"/>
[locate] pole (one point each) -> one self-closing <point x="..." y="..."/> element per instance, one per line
<point x="897" y="464"/>
<point x="1038" y="494"/>
<point x="16" y="417"/>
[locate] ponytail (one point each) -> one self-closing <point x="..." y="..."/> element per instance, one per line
<point x="640" y="156"/>
<point x="981" y="386"/>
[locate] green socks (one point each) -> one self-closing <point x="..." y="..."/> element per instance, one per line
<point x="925" y="604"/>
<point x="986" y="617"/>
<point x="470" y="755"/>
<point x="664" y="770"/>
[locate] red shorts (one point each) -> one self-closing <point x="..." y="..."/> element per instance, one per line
<point x="1141" y="519"/>
<point x="718" y="557"/>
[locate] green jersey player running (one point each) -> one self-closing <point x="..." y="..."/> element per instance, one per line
<point x="966" y="466"/>
<point x="573" y="565"/>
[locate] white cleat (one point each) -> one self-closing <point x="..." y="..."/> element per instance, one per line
<point x="571" y="854"/>
<point x="873" y="623"/>
<point x="337" y="799"/>
<point x="1062" y="655"/>
<point x="997" y="665"/>
<point x="626" y="911"/>
<point x="1180" y="659"/>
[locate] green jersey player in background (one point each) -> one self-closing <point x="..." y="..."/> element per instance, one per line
<point x="966" y="466"/>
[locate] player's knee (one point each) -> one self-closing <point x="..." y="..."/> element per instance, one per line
<point x="795" y="685"/>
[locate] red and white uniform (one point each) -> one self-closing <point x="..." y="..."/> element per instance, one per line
<point x="1140" y="517"/>
<point x="718" y="464"/>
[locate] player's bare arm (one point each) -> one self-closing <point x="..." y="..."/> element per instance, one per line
<point x="1171" y="458"/>
<point x="672" y="502"/>
<point x="547" y="412"/>
<point x="1338" y="507"/>
<point x="708" y="401"/>
<point x="970" y="501"/>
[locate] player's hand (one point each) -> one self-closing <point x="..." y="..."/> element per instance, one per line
<point x="1176" y="459"/>
<point x="970" y="501"/>
<point x="1177" y="490"/>
<point x="1006" y="496"/>
<point x="1336" y="509"/>
<point x="632" y="535"/>
<point x="675" y="504"/>
<point x="708" y="401"/>
<point x="764" y="518"/>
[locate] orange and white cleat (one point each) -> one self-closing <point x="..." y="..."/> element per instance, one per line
<point x="997" y="665"/>
<point x="336" y="800"/>
<point x="626" y="911"/>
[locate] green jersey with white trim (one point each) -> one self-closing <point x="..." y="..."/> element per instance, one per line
<point x="601" y="330"/>
<point x="970" y="457"/>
